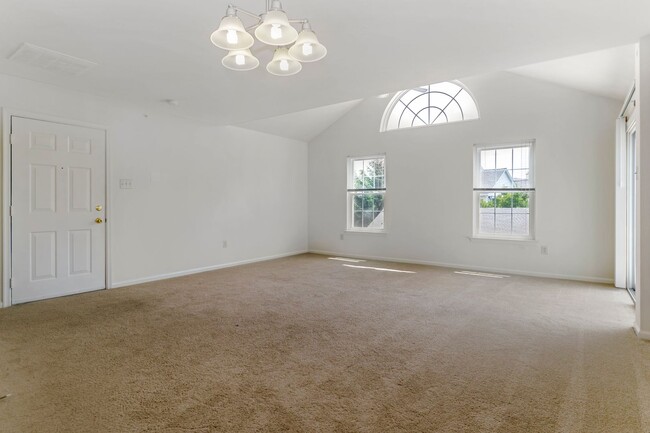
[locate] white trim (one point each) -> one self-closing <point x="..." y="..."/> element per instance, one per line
<point x="643" y="335"/>
<point x="366" y="232"/>
<point x="513" y="240"/>
<point x="6" y="203"/>
<point x="620" y="205"/>
<point x="469" y="267"/>
<point x="201" y="270"/>
<point x="7" y="114"/>
<point x="349" y="200"/>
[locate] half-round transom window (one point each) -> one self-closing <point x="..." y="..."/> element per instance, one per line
<point x="430" y="105"/>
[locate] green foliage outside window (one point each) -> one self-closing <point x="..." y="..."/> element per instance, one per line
<point x="506" y="200"/>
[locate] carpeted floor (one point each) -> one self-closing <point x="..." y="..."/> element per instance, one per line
<point x="307" y="344"/>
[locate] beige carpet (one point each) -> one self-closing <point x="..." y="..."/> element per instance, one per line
<point x="306" y="344"/>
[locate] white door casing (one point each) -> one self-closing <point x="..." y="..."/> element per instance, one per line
<point x="58" y="176"/>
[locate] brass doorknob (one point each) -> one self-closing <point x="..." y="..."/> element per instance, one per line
<point x="99" y="220"/>
<point x="99" y="207"/>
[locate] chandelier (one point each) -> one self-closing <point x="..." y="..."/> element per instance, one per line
<point x="271" y="27"/>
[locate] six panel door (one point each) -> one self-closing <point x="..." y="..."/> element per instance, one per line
<point x="58" y="199"/>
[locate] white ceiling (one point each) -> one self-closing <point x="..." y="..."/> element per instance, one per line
<point x="303" y="125"/>
<point x="151" y="50"/>
<point x="607" y="73"/>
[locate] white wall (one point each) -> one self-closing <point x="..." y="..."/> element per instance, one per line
<point x="194" y="185"/>
<point x="642" y="323"/>
<point x="429" y="175"/>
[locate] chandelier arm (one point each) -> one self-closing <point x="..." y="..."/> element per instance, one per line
<point x="245" y="12"/>
<point x="254" y="26"/>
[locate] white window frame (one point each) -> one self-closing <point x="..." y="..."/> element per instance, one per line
<point x="349" y="197"/>
<point x="477" y="189"/>
<point x="383" y="127"/>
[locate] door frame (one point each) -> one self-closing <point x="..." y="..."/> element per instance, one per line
<point x="7" y="114"/>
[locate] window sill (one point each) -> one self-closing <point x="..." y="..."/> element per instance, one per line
<point x="518" y="241"/>
<point x="364" y="232"/>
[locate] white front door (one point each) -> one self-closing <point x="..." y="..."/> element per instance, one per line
<point x="58" y="195"/>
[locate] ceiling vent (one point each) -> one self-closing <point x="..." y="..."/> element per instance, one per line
<point x="51" y="60"/>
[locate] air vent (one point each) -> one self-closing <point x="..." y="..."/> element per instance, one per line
<point x="51" y="60"/>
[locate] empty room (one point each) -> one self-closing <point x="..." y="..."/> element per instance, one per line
<point x="325" y="216"/>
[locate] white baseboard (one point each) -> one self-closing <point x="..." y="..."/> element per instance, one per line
<point x="200" y="270"/>
<point x="643" y="335"/>
<point x="472" y="268"/>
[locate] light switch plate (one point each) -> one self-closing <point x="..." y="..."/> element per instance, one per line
<point x="126" y="183"/>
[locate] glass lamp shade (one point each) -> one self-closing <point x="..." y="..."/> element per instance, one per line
<point x="276" y="30"/>
<point x="231" y="34"/>
<point x="240" y="60"/>
<point x="283" y="64"/>
<point x="307" y="48"/>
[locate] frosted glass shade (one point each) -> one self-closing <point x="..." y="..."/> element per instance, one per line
<point x="307" y="48"/>
<point x="276" y="30"/>
<point x="240" y="60"/>
<point x="231" y="35"/>
<point x="283" y="64"/>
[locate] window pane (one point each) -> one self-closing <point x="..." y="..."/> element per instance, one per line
<point x="504" y="213"/>
<point x="406" y="120"/>
<point x="357" y="219"/>
<point x="420" y="103"/>
<point x="357" y="202"/>
<point x="470" y="111"/>
<point x="371" y="214"/>
<point x="504" y="158"/>
<point x="488" y="159"/>
<point x="357" y="170"/>
<point x="433" y="104"/>
<point x="505" y="168"/>
<point x="520" y="178"/>
<point x="520" y="158"/>
<point x="453" y="112"/>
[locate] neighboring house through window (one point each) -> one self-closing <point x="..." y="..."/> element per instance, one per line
<point x="504" y="190"/>
<point x="366" y="193"/>
<point x="433" y="104"/>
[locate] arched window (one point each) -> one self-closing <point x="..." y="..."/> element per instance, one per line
<point x="434" y="104"/>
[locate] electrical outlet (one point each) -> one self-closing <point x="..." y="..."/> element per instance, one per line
<point x="126" y="183"/>
<point x="544" y="250"/>
<point x="341" y="236"/>
<point x="225" y="244"/>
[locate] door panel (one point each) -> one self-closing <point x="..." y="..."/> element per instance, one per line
<point x="43" y="256"/>
<point x="80" y="252"/>
<point x="58" y="180"/>
<point x="80" y="185"/>
<point x="42" y="187"/>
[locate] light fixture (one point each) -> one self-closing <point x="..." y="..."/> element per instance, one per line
<point x="231" y="34"/>
<point x="283" y="64"/>
<point x="307" y="48"/>
<point x="271" y="27"/>
<point x="275" y="28"/>
<point x="240" y="60"/>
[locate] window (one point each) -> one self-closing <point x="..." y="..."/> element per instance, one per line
<point x="430" y="105"/>
<point x="366" y="192"/>
<point x="504" y="191"/>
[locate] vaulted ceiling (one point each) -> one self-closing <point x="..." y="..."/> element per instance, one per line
<point x="151" y="50"/>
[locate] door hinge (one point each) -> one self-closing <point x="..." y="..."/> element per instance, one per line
<point x="11" y="281"/>
<point x="11" y="211"/>
<point x="11" y="138"/>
